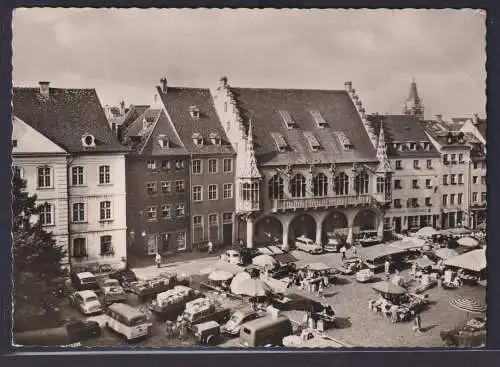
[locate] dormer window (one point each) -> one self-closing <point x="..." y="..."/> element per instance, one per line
<point x="412" y="146"/>
<point x="194" y="112"/>
<point x="215" y="139"/>
<point x="426" y="146"/>
<point x="400" y="147"/>
<point x="313" y="142"/>
<point x="320" y="121"/>
<point x="197" y="139"/>
<point x="344" y="140"/>
<point x="88" y="140"/>
<point x="163" y="141"/>
<point x="287" y="119"/>
<point x="280" y="142"/>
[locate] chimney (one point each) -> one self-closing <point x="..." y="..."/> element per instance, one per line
<point x="122" y="108"/>
<point x="44" y="89"/>
<point x="348" y="86"/>
<point x="439" y="118"/>
<point x="163" y="82"/>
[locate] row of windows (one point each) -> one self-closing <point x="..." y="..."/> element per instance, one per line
<point x="481" y="165"/>
<point x="416" y="164"/>
<point x="212" y="190"/>
<point x="453" y="179"/>
<point x="412" y="203"/>
<point x="320" y="185"/>
<point x="452" y="158"/>
<point x="165" y="211"/>
<point x="415" y="184"/>
<point x="475" y="180"/>
<point x="452" y="199"/>
<point x="47" y="212"/>
<point x="213" y="226"/>
<point x="165" y="187"/>
<point x="164" y="164"/>
<point x="213" y="219"/>
<point x="164" y="240"/>
<point x="475" y="197"/>
<point x="213" y="166"/>
<point x="80" y="247"/>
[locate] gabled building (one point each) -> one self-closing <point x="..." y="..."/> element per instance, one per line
<point x="157" y="181"/>
<point x="119" y="118"/>
<point x="71" y="159"/>
<point x="416" y="177"/>
<point x="307" y="163"/>
<point x="211" y="166"/>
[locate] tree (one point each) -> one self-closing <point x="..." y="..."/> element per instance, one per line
<point x="36" y="256"/>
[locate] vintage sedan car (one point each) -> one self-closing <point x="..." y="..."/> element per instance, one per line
<point x="207" y="333"/>
<point x="333" y="245"/>
<point x="310" y="338"/>
<point x="112" y="291"/>
<point x="233" y="326"/>
<point x="79" y="330"/>
<point x="85" y="281"/>
<point x="124" y="276"/>
<point x="86" y="302"/>
<point x="232" y="257"/>
<point x="71" y="332"/>
<point x="307" y="245"/>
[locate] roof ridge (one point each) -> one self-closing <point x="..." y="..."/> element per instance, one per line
<point x="293" y="89"/>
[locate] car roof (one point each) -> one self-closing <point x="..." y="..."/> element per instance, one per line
<point x="244" y="312"/>
<point x="207" y="325"/>
<point x="87" y="293"/>
<point x="232" y="252"/>
<point x="123" y="308"/>
<point x="85" y="274"/>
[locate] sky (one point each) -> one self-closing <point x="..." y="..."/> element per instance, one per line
<point x="123" y="53"/>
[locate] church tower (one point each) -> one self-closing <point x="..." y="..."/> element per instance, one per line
<point x="413" y="104"/>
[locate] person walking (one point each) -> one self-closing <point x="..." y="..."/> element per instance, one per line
<point x="417" y="324"/>
<point x="387" y="267"/>
<point x="210" y="247"/>
<point x="158" y="260"/>
<point x="326" y="281"/>
<point x="321" y="290"/>
<point x="342" y="251"/>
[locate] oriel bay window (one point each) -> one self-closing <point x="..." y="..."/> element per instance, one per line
<point x="362" y="183"/>
<point x="380" y="185"/>
<point x="250" y="191"/>
<point x="298" y="186"/>
<point x="341" y="184"/>
<point x="320" y="185"/>
<point x="276" y="187"/>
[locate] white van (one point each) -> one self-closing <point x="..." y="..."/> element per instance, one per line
<point x="306" y="244"/>
<point x="127" y="321"/>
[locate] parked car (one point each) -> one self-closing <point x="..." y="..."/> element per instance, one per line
<point x="232" y="257"/>
<point x="233" y="326"/>
<point x="265" y="331"/>
<point x="151" y="287"/>
<point x="310" y="338"/>
<point x="86" y="302"/>
<point x="124" y="276"/>
<point x="207" y="333"/>
<point x="202" y="310"/>
<point x="333" y="245"/>
<point x="306" y="244"/>
<point x="72" y="332"/>
<point x="85" y="281"/>
<point x="112" y="291"/>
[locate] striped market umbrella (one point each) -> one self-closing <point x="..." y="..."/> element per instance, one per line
<point x="468" y="304"/>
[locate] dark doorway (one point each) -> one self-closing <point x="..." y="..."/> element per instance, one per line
<point x="397" y="224"/>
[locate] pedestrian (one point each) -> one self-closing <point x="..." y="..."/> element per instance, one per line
<point x="354" y="250"/>
<point x="242" y="244"/>
<point x="342" y="251"/>
<point x="326" y="281"/>
<point x="417" y="323"/>
<point x="158" y="259"/>
<point x="320" y="290"/>
<point x="387" y="267"/>
<point x="210" y="247"/>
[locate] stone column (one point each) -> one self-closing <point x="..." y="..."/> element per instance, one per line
<point x="318" y="232"/>
<point x="250" y="221"/>
<point x="285" y="225"/>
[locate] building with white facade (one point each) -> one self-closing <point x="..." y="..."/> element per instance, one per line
<point x="71" y="159"/>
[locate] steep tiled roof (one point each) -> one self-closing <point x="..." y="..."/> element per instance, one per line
<point x="178" y="102"/>
<point x="481" y="126"/>
<point x="402" y="129"/>
<point x="131" y="115"/>
<point x="65" y="116"/>
<point x="263" y="107"/>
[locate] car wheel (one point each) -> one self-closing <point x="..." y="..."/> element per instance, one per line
<point x="211" y="340"/>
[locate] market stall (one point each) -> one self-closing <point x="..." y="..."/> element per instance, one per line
<point x="471" y="265"/>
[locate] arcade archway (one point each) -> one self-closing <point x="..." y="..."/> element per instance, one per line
<point x="302" y="224"/>
<point x="334" y="223"/>
<point x="365" y="220"/>
<point x="268" y="230"/>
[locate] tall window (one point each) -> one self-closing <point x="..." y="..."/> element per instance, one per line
<point x="453" y="179"/>
<point x="165" y="211"/>
<point x="320" y="185"/>
<point x="212" y="192"/>
<point x="459" y="198"/>
<point x="77" y="176"/>
<point x="79" y="247"/>
<point x="179" y="210"/>
<point x="106" y="246"/>
<point x="483" y="196"/>
<point x="380" y="185"/>
<point x="298" y="186"/>
<point x="179" y="164"/>
<point x="47" y="215"/>
<point x="165" y="164"/>
<point x="276" y="187"/>
<point x="197" y="228"/>
<point x="78" y="212"/>
<point x="362" y="181"/>
<point x="399" y="164"/>
<point x="165" y="187"/>
<point x="196" y="167"/>
<point x="181" y="240"/>
<point x="416" y="164"/>
<point x="151" y="188"/>
<point x="429" y="163"/>
<point x="227" y="191"/>
<point x="461" y="179"/>
<point x="212" y="166"/>
<point x="151" y="164"/>
<point x="213" y="227"/>
<point x="341" y="184"/>
<point x="445" y="179"/>
<point x="105" y="210"/>
<point x="197" y="193"/>
<point x="227" y="165"/>
<point x="179" y="186"/>
<point x="246" y="191"/>
<point x="151" y="213"/>
<point x="104" y="175"/>
<point x="452" y="199"/>
<point x="474" y="197"/>
<point x="44" y="177"/>
<point x="227" y="217"/>
<point x="445" y="200"/>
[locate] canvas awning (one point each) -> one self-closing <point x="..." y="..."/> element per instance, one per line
<point x="408" y="243"/>
<point x="473" y="260"/>
<point x="379" y="251"/>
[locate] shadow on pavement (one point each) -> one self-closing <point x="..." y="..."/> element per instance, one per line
<point x="342" y="281"/>
<point x="342" y="322"/>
